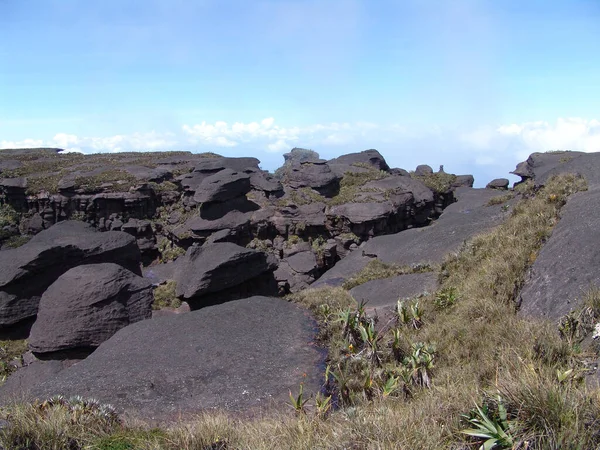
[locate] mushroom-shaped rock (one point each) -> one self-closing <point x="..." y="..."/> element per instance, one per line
<point x="498" y="183"/>
<point x="463" y="181"/>
<point x="87" y="305"/>
<point x="222" y="186"/>
<point x="217" y="267"/>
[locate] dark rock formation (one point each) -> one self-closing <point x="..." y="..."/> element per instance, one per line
<point x="498" y="183"/>
<point x="358" y="162"/>
<point x="423" y="170"/>
<point x="215" y="269"/>
<point x="469" y="216"/>
<point x="463" y="181"/>
<point x="240" y="355"/>
<point x="539" y="163"/>
<point x="568" y="264"/>
<point x="27" y="271"/>
<point x="87" y="305"/>
<point x="224" y="185"/>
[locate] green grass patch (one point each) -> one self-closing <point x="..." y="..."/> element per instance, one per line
<point x="499" y="200"/>
<point x="165" y="296"/>
<point x="352" y="183"/>
<point x="11" y="353"/>
<point x="439" y="182"/>
<point x="376" y="270"/>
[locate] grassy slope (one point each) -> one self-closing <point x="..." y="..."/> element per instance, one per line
<point x="482" y="349"/>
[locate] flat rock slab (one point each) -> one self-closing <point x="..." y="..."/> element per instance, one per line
<point x="459" y="222"/>
<point x="236" y="356"/>
<point x="387" y="291"/>
<point x="568" y="264"/>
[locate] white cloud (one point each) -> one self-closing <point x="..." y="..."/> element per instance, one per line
<point x="489" y="151"/>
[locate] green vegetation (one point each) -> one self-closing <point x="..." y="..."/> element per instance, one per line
<point x="438" y="182"/>
<point x="169" y="251"/>
<point x="45" y="168"/>
<point x="165" y="296"/>
<point x="458" y="369"/>
<point x="16" y="241"/>
<point x="500" y="199"/>
<point x="11" y="353"/>
<point x="376" y="270"/>
<point x="353" y="182"/>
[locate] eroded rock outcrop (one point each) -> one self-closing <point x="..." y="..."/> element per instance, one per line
<point x="26" y="272"/>
<point x="87" y="305"/>
<point x="222" y="271"/>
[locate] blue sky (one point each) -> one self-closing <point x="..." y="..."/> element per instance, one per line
<point x="474" y="85"/>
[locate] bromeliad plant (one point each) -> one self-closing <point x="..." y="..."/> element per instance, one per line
<point x="411" y="315"/>
<point x="493" y="430"/>
<point x="420" y="362"/>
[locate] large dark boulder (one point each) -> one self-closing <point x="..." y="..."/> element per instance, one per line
<point x="27" y="271"/>
<point x="237" y="356"/>
<point x="213" y="165"/>
<point x="568" y="264"/>
<point x="224" y="185"/>
<point x="87" y="305"/>
<point x="423" y="170"/>
<point x="498" y="183"/>
<point x="352" y="162"/>
<point x="315" y="175"/>
<point x="217" y="267"/>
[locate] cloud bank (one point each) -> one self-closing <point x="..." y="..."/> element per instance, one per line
<point x="486" y="152"/>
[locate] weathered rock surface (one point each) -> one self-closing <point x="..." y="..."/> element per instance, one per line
<point x="315" y="175"/>
<point x="87" y="305"/>
<point x="462" y="220"/>
<point x="538" y="164"/>
<point x="585" y="164"/>
<point x="423" y="170"/>
<point x="239" y="355"/>
<point x="568" y="264"/>
<point x="224" y="185"/>
<point x="26" y="272"/>
<point x="357" y="162"/>
<point x="386" y="292"/>
<point x="218" y="267"/>
<point x="498" y="183"/>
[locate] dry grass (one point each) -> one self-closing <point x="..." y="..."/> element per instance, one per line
<point x="376" y="270"/>
<point x="483" y="349"/>
<point x="438" y="182"/>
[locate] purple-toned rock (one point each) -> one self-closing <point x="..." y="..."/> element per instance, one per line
<point x="87" y="305"/>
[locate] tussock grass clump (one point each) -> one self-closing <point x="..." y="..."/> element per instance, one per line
<point x="165" y="296"/>
<point x="500" y="199"/>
